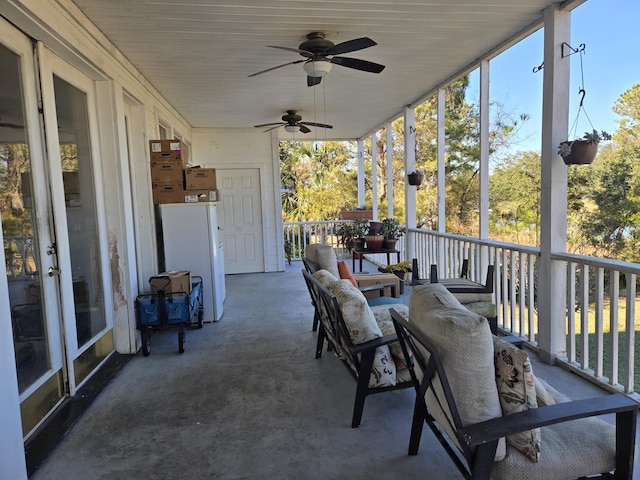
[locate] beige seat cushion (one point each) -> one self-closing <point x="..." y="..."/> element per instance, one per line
<point x="324" y="256"/>
<point x="485" y="309"/>
<point x="363" y="327"/>
<point x="465" y="343"/>
<point x="561" y="459"/>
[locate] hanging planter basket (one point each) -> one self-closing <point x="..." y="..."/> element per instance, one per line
<point x="415" y="178"/>
<point x="582" y="152"/>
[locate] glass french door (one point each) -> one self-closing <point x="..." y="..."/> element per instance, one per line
<point x="50" y="235"/>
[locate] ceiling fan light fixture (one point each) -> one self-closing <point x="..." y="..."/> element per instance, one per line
<point x="291" y="128"/>
<point x="317" y="68"/>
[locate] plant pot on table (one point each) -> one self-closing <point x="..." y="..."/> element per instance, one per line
<point x="374" y="242"/>
<point x="389" y="243"/>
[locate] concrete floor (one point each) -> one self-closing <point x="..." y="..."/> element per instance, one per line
<point x="248" y="400"/>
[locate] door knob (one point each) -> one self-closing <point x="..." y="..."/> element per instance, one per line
<point x="54" y="271"/>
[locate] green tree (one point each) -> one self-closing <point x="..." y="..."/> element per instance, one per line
<point x="318" y="179"/>
<point x="609" y="220"/>
<point x="514" y="191"/>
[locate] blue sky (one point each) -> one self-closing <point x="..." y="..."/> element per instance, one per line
<point x="611" y="63"/>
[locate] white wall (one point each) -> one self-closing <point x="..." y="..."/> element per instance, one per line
<point x="246" y="148"/>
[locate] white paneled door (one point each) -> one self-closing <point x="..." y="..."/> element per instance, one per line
<point x="240" y="220"/>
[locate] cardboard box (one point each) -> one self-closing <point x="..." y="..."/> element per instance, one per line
<point x="169" y="150"/>
<point x="195" y="196"/>
<point x="167" y="193"/>
<point x="171" y="282"/>
<point x="200" y="179"/>
<point x="367" y="279"/>
<point x="168" y="172"/>
<point x="70" y="181"/>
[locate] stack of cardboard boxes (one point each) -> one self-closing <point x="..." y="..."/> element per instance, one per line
<point x="173" y="182"/>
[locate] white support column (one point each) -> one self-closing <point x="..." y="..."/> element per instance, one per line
<point x="374" y="173"/>
<point x="483" y="209"/>
<point x="410" y="166"/>
<point x="361" y="196"/>
<point x="553" y="215"/>
<point x="389" y="163"/>
<point x="442" y="193"/>
<point x="484" y="149"/>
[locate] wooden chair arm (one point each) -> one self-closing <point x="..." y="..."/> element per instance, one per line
<point x="626" y="411"/>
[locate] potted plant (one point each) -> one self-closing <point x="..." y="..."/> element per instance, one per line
<point x="351" y="234"/>
<point x="400" y="270"/>
<point x="582" y="151"/>
<point x="415" y="178"/>
<point x="392" y="231"/>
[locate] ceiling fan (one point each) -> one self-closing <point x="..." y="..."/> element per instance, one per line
<point x="319" y="56"/>
<point x="293" y="123"/>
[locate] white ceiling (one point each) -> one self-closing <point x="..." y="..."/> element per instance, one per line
<point x="199" y="53"/>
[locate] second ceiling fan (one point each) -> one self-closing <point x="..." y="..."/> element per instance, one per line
<point x="320" y="54"/>
<point x="292" y="122"/>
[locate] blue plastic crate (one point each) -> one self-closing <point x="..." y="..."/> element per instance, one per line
<point x="178" y="310"/>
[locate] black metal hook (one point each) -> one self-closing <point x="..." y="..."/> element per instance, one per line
<point x="582" y="92"/>
<point x="538" y="68"/>
<point x="581" y="48"/>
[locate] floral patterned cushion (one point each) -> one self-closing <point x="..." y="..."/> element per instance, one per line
<point x="362" y="326"/>
<point x="325" y="277"/>
<point x="383" y="318"/>
<point x="517" y="390"/>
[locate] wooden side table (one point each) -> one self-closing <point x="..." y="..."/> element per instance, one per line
<point x="362" y="251"/>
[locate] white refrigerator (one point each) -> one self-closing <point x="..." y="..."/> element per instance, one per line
<point x="191" y="242"/>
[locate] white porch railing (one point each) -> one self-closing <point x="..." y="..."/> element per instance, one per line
<point x="600" y="327"/>
<point x="301" y="234"/>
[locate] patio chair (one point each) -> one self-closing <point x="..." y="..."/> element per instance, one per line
<point x="470" y="418"/>
<point x="362" y="337"/>
<point x="319" y="256"/>
<point x="474" y="296"/>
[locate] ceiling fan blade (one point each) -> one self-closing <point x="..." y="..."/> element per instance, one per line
<point x="314" y="124"/>
<point x="358" y="64"/>
<point x="275" y="68"/>
<point x="311" y="81"/>
<point x="269" y="124"/>
<point x="273" y="128"/>
<point x="303" y="129"/>
<point x="350" y="46"/>
<point x="295" y="50"/>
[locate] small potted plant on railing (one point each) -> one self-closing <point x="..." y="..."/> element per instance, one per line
<point x="582" y="151"/>
<point x="392" y="231"/>
<point x="351" y="234"/>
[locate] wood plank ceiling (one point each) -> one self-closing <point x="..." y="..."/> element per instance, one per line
<point x="199" y="53"/>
